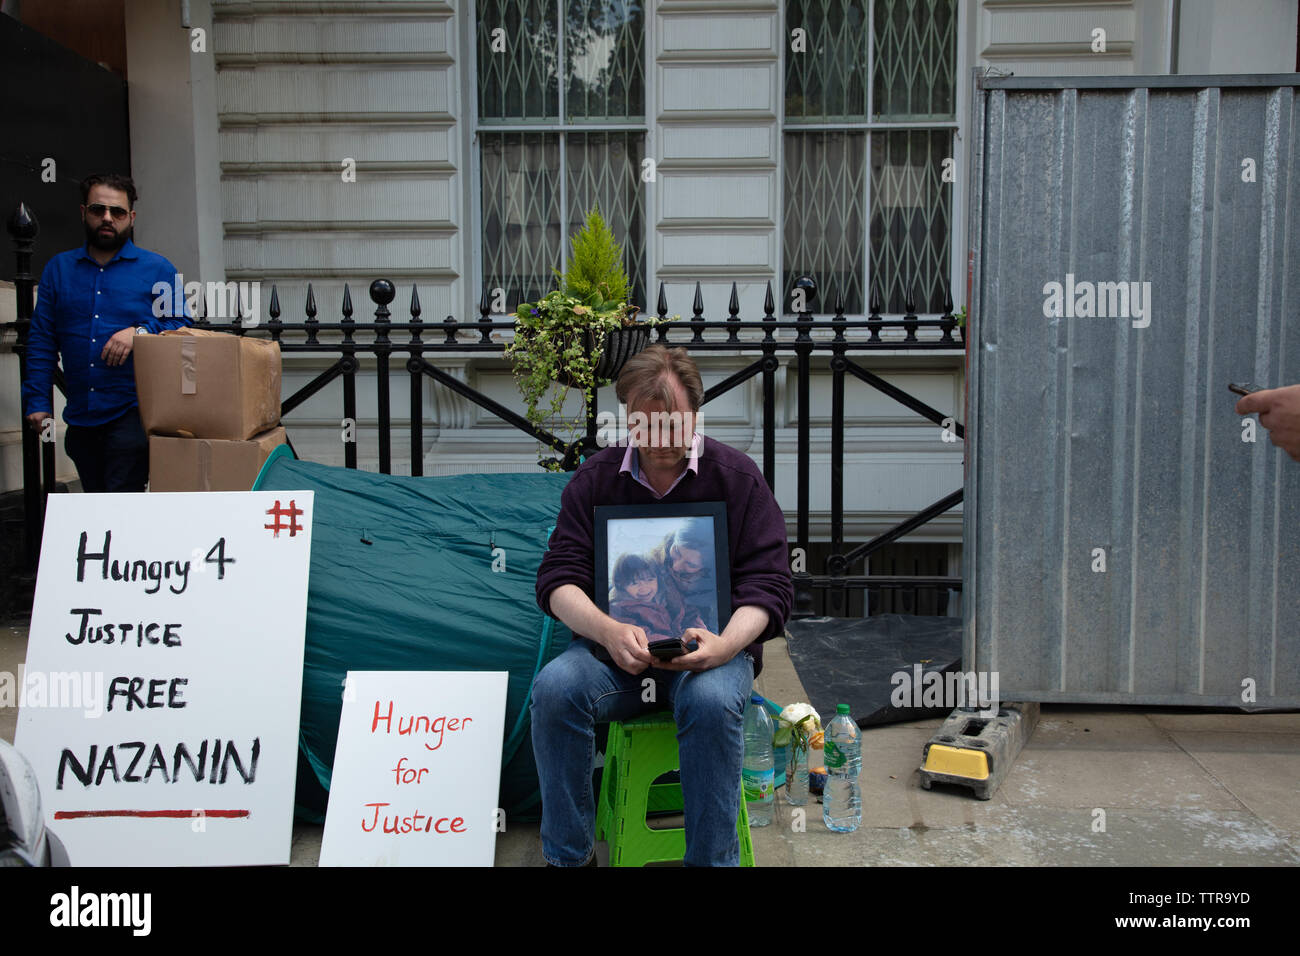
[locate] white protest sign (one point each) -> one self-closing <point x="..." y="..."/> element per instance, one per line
<point x="416" y="769"/>
<point x="161" y="692"/>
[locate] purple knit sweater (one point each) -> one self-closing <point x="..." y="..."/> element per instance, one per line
<point x="759" y="552"/>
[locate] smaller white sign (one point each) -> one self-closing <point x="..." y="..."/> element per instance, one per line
<point x="416" y="769"/>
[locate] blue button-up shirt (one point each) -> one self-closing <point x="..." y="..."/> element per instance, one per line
<point x="79" y="305"/>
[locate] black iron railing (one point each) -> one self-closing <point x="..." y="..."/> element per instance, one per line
<point x="764" y="344"/>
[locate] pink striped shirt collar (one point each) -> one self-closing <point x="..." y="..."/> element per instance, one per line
<point x="632" y="465"/>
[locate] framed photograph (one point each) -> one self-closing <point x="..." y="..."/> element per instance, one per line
<point x="664" y="567"/>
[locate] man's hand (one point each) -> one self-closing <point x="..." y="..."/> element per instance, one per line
<point x="626" y="644"/>
<point x="714" y="650"/>
<point x="1279" y="412"/>
<point x="35" y="419"/>
<point x="117" y="348"/>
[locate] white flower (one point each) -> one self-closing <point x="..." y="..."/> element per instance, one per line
<point x="798" y="719"/>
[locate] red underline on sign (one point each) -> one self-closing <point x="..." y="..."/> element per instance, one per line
<point x="173" y="814"/>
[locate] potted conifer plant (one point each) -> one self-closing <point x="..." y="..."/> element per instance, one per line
<point x="580" y="335"/>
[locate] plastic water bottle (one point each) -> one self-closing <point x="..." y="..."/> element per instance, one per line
<point x="842" y="801"/>
<point x="759" y="774"/>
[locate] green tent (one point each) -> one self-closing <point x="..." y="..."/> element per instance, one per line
<point x="422" y="574"/>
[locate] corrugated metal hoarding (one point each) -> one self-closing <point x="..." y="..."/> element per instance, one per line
<point x="1136" y="248"/>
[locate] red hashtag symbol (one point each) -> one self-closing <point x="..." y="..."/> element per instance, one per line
<point x="291" y="513"/>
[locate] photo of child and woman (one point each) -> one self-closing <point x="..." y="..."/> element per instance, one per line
<point x="662" y="574"/>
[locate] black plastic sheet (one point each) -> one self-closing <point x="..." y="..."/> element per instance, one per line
<point x="856" y="661"/>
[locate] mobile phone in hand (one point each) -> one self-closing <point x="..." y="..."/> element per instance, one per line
<point x="667" y="649"/>
<point x="1245" y="389"/>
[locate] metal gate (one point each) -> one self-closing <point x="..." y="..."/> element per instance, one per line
<point x="1136" y="247"/>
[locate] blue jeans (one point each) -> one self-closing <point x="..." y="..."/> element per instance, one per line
<point x="576" y="691"/>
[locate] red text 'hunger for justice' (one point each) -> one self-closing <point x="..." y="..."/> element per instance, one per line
<point x="417" y="723"/>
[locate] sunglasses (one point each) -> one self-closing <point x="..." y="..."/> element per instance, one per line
<point x="99" y="209"/>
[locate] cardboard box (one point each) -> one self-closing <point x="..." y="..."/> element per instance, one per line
<point x="209" y="464"/>
<point x="196" y="383"/>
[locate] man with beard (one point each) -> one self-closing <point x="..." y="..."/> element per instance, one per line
<point x="687" y="559"/>
<point x="90" y="305"/>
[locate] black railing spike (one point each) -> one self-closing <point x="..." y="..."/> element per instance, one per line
<point x="769" y="318"/>
<point x="347" y="303"/>
<point x="910" y="323"/>
<point x="23" y="223"/>
<point x="449" y="324"/>
<point x="661" y="331"/>
<point x="273" y="310"/>
<point x="948" y="321"/>
<point x="874" y="322"/>
<point x="838" y="321"/>
<point x="484" y="318"/>
<point x="416" y="322"/>
<point x="733" y="315"/>
<point x="310" y="309"/>
<point x="697" y="319"/>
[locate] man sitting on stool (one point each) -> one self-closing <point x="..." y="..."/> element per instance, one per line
<point x="707" y="688"/>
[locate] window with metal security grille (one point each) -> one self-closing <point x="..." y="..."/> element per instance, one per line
<point x="870" y="113"/>
<point x="561" y="128"/>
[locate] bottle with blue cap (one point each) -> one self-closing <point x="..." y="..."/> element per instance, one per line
<point x="759" y="775"/>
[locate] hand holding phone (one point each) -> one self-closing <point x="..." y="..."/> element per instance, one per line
<point x="1279" y="412"/>
<point x="667" y="648"/>
<point x="670" y="647"/>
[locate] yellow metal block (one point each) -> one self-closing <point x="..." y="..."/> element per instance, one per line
<point x="958" y="762"/>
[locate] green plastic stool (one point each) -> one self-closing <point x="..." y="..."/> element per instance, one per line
<point x="639" y="752"/>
